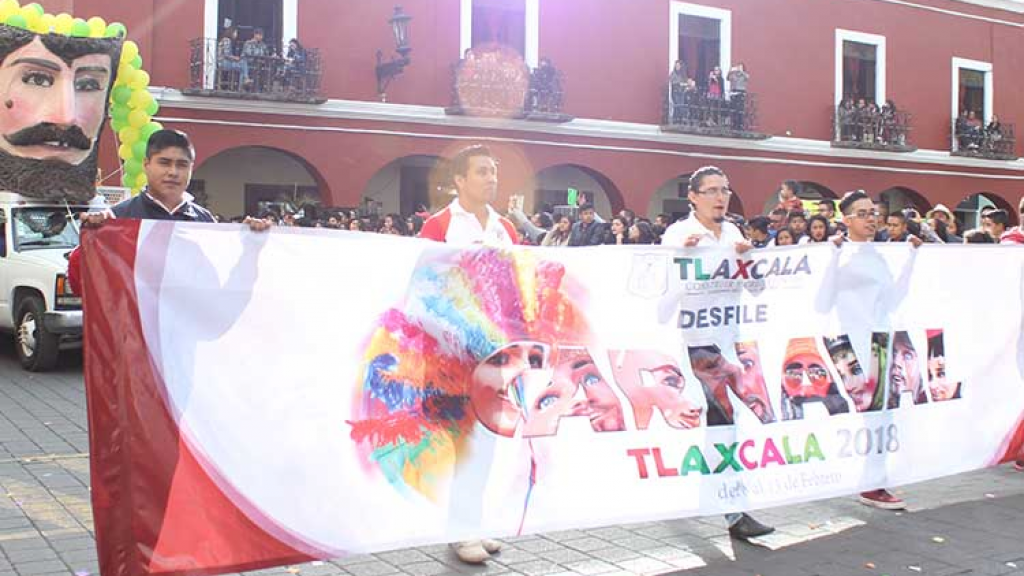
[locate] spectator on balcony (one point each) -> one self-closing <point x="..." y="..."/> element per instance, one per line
<point x="545" y="88"/>
<point x="993" y="132"/>
<point x="818" y="228"/>
<point x="227" y="61"/>
<point x="738" y="78"/>
<point x="887" y="129"/>
<point x="677" y="80"/>
<point x="846" y="118"/>
<point x="715" y="83"/>
<point x="255" y="46"/>
<point x="294" y="60"/>
<point x="973" y="131"/>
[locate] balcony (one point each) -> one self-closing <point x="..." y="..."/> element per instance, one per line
<point x="690" y="111"/>
<point x="869" y="128"/>
<point x="271" y="77"/>
<point x="497" y="83"/>
<point x="993" y="142"/>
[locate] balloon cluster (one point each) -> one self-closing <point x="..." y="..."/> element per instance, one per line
<point x="132" y="107"/>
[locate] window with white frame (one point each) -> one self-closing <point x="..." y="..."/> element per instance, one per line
<point x="860" y="67"/>
<point x="972" y="89"/>
<point x="701" y="38"/>
<point x="491" y="24"/>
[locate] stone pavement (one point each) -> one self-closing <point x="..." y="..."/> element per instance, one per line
<point x="967" y="524"/>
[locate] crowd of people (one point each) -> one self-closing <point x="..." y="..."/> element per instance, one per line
<point x="972" y="134"/>
<point x="867" y="122"/>
<point x="258" y="64"/>
<point x="708" y="104"/>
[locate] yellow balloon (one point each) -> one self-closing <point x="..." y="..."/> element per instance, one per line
<point x="63" y="22"/>
<point x="8" y="8"/>
<point x="46" y="23"/>
<point x="140" y="180"/>
<point x="140" y="99"/>
<point x="129" y="135"/>
<point x="138" y="118"/>
<point x="97" y="27"/>
<point x="31" y="17"/>
<point x="124" y="151"/>
<point x="129" y="50"/>
<point x="139" y="80"/>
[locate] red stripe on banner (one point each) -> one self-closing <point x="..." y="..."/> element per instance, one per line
<point x="155" y="509"/>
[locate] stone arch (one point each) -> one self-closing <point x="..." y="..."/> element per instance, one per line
<point x="401" y="185"/>
<point x="670" y="198"/>
<point x="901" y="198"/>
<point x="551" y="188"/>
<point x="246" y="180"/>
<point x="968" y="211"/>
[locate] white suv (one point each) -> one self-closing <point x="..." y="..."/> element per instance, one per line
<point x="36" y="302"/>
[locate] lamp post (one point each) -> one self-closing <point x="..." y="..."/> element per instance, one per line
<point x="387" y="71"/>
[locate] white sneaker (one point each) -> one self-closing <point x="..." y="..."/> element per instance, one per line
<point x="492" y="546"/>
<point x="471" y="551"/>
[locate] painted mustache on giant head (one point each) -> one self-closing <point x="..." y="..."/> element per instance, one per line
<point x="47" y="134"/>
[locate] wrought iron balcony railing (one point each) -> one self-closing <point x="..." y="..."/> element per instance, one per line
<point x="690" y="111"/>
<point x="996" y="141"/>
<point x="269" y="77"/>
<point x="498" y="83"/>
<point x="871" y="129"/>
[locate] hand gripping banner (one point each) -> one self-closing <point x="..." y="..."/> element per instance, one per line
<point x="261" y="399"/>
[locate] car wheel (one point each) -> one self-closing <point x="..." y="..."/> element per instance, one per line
<point x="37" y="348"/>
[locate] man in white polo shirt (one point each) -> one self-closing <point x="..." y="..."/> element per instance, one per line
<point x="709" y="194"/>
<point x="470" y="219"/>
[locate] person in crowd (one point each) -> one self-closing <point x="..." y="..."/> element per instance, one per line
<point x="788" y="197"/>
<point x="628" y="215"/>
<point x="534" y="228"/>
<point x="882" y="209"/>
<point x="977" y="236"/>
<point x="757" y="232"/>
<point x="777" y="218"/>
<point x="826" y="208"/>
<point x="798" y="227"/>
<point x="818" y="228"/>
<point x="227" y="60"/>
<point x="559" y="234"/>
<point x="587" y="232"/>
<point x="709" y="193"/>
<point x="392" y="225"/>
<point x="414" y="225"/>
<point x="1015" y="235"/>
<point x="661" y="223"/>
<point x="618" y="232"/>
<point x="896" y="226"/>
<point x="333" y="222"/>
<point x="355" y="225"/>
<point x="469" y="220"/>
<point x="995" y="222"/>
<point x="642" y="232"/>
<point x="861" y="218"/>
<point x="941" y="230"/>
<point x="784" y="238"/>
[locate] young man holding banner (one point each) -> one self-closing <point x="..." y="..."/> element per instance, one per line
<point x="709" y="195"/>
<point x="470" y="219"/>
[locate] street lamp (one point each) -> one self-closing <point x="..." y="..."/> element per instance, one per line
<point x="387" y="71"/>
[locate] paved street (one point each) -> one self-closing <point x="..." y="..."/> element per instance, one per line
<point x="969" y="524"/>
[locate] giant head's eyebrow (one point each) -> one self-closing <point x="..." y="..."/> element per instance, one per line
<point x="100" y="69"/>
<point x="42" y="63"/>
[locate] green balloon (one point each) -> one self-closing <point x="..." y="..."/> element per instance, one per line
<point x="36" y="7"/>
<point x="139" y="149"/>
<point x="80" y="29"/>
<point x="148" y="130"/>
<point x="120" y="112"/>
<point x="132" y="167"/>
<point x="153" y="108"/>
<point x="17" y="20"/>
<point x="121" y="95"/>
<point x="116" y="30"/>
<point x="137" y="62"/>
<point x="127" y="181"/>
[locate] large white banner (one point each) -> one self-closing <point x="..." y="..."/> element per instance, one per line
<point x="351" y="392"/>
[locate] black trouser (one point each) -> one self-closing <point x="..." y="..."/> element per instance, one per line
<point x="738" y="103"/>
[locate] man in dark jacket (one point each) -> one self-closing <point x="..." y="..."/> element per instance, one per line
<point x="587" y="232"/>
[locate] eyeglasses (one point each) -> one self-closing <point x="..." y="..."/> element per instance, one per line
<point x="862" y="214"/>
<point x="715" y="192"/>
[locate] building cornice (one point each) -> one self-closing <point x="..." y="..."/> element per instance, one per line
<point x="581" y="128"/>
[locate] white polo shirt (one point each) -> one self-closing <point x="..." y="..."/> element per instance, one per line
<point x="455" y="225"/>
<point x="677" y="234"/>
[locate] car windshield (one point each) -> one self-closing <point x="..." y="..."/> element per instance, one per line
<point x="44" y="227"/>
